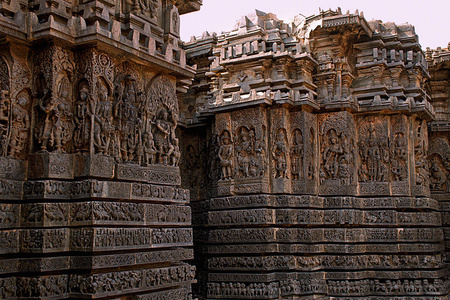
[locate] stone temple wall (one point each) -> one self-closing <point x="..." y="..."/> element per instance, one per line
<point x="439" y="136"/>
<point x="90" y="197"/>
<point x="308" y="160"/>
<point x="317" y="158"/>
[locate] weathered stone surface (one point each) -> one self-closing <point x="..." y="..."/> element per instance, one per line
<point x="326" y="172"/>
<point x="91" y="204"/>
<point x="316" y="154"/>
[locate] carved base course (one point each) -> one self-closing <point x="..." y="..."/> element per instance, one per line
<point x="85" y="225"/>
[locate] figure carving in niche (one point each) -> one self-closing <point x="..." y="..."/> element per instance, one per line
<point x="58" y="124"/>
<point x="332" y="156"/>
<point x="226" y="155"/>
<point x="115" y="148"/>
<point x="82" y="119"/>
<point x="103" y="128"/>
<point x="420" y="153"/>
<point x="126" y="118"/>
<point x="244" y="150"/>
<point x="279" y="154"/>
<point x="147" y="7"/>
<point x="373" y="152"/>
<point x="149" y="148"/>
<point x="439" y="175"/>
<point x="176" y="154"/>
<point x="253" y="167"/>
<point x="163" y="132"/>
<point x="175" y="22"/>
<point x="20" y="124"/>
<point x="260" y="151"/>
<point x="399" y="155"/>
<point x="297" y="152"/>
<point x="4" y="119"/>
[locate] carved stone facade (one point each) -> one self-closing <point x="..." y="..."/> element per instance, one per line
<point x="316" y="174"/>
<point x="306" y="160"/>
<point x="439" y="136"/>
<point x="91" y="203"/>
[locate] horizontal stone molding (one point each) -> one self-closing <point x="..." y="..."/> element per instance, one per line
<point x="324" y="235"/>
<point x="89" y="262"/>
<point x="322" y="248"/>
<point x="114" y="283"/>
<point x="317" y="262"/>
<point x="310" y="201"/>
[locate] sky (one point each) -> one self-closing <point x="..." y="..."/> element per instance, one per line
<point x="431" y="18"/>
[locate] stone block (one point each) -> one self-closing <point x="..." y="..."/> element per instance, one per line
<point x="156" y="174"/>
<point x="93" y="166"/>
<point x="281" y="185"/>
<point x="50" y="165"/>
<point x="13" y="169"/>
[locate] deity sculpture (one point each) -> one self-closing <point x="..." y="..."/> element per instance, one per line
<point x="399" y="156"/>
<point x="58" y="123"/>
<point x="149" y="148"/>
<point x="126" y="118"/>
<point x="279" y="154"/>
<point x="439" y="176"/>
<point x="147" y="7"/>
<point x="82" y="119"/>
<point x="374" y="155"/>
<point x="243" y="149"/>
<point x="103" y="128"/>
<point x="162" y="135"/>
<point x="226" y="155"/>
<point x="176" y="154"/>
<point x="260" y="152"/>
<point x="20" y="124"/>
<point x="297" y="155"/>
<point x="332" y="155"/>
